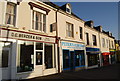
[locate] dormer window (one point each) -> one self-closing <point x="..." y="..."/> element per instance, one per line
<point x="68" y="8"/>
<point x="92" y="24"/>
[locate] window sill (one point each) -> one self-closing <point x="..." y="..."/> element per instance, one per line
<point x="69" y="37"/>
<point x="38" y="32"/>
<point x="9" y="26"/>
<point x="81" y="40"/>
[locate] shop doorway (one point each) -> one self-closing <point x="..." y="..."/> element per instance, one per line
<point x="72" y="60"/>
<point x="68" y="60"/>
<point x="105" y="60"/>
<point x="5" y="59"/>
<point x="39" y="61"/>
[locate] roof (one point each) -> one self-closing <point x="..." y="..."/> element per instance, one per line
<point x="62" y="8"/>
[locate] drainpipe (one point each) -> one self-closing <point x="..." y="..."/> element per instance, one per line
<point x="57" y="41"/>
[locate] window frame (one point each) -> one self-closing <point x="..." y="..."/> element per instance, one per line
<point x="103" y="42"/>
<point x="94" y="40"/>
<point x="11" y="10"/>
<point x="69" y="30"/>
<point x="40" y="21"/>
<point x="81" y="32"/>
<point x="87" y="38"/>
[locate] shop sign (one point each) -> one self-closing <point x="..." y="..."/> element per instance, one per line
<point x="27" y="36"/>
<point x="72" y="46"/>
<point x="88" y="49"/>
<point x="112" y="50"/>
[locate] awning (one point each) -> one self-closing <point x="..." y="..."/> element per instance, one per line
<point x="106" y="53"/>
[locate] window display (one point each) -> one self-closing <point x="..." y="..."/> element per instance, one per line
<point x="79" y="58"/>
<point x="48" y="55"/>
<point x="92" y="59"/>
<point x="25" y="56"/>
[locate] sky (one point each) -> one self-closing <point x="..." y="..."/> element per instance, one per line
<point x="102" y="13"/>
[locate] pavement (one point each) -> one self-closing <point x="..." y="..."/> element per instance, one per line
<point x="111" y="73"/>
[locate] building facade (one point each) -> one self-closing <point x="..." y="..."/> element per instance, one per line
<point x="40" y="38"/>
<point x="27" y="47"/>
<point x="92" y="45"/>
<point x="71" y="42"/>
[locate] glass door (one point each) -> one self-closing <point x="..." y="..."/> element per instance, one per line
<point x="39" y="47"/>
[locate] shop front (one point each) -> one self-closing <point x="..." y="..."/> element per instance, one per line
<point x="93" y="55"/>
<point x="73" y="55"/>
<point x="113" y="56"/>
<point x="105" y="58"/>
<point x="27" y="55"/>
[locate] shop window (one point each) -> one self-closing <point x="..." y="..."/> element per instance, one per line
<point x="49" y="55"/>
<point x="92" y="59"/>
<point x="70" y="30"/>
<point x="10" y="14"/>
<point x="66" y="59"/>
<point x="4" y="54"/>
<point x="39" y="21"/>
<point x="79" y="58"/>
<point x="25" y="60"/>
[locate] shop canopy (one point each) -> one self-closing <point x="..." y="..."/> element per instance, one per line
<point x="106" y="53"/>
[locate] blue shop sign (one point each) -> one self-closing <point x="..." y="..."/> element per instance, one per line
<point x="92" y="49"/>
<point x="68" y="45"/>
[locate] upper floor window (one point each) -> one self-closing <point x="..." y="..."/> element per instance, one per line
<point x="10" y="14"/>
<point x="94" y="40"/>
<point x="112" y="44"/>
<point x="81" y="33"/>
<point x="103" y="42"/>
<point x="69" y="30"/>
<point x="39" y="21"/>
<point x="107" y="43"/>
<point x="68" y="8"/>
<point x="87" y="38"/>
